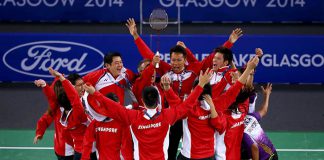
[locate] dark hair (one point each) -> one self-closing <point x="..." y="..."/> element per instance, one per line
<point x="109" y="57"/>
<point x="178" y="49"/>
<point x="73" y="78"/>
<point x="206" y="90"/>
<point x="112" y="96"/>
<point x="241" y="97"/>
<point x="61" y="96"/>
<point x="150" y="96"/>
<point x="227" y="53"/>
<point x="141" y="62"/>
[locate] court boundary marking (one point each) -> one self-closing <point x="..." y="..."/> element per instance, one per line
<point x="51" y="148"/>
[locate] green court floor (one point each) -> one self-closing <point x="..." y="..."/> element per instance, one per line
<point x="17" y="145"/>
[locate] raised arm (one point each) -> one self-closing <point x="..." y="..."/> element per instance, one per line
<point x="143" y="81"/>
<point x="48" y="92"/>
<point x="71" y="93"/>
<point x="217" y="121"/>
<point x="190" y="56"/>
<point x="209" y="100"/>
<point x="234" y="36"/>
<point x="251" y="65"/>
<point x="131" y="25"/>
<point x="250" y="79"/>
<point x="145" y="51"/>
<point x="218" y="88"/>
<point x="172" y="98"/>
<point x="109" y="108"/>
<point x="226" y="99"/>
<point x="177" y="112"/>
<point x="266" y="96"/>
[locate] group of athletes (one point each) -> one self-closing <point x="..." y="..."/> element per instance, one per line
<point x="208" y="106"/>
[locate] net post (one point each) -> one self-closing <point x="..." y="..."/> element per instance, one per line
<point x="141" y="16"/>
<point x="179" y="14"/>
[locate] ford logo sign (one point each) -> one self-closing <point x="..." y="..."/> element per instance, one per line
<point x="35" y="58"/>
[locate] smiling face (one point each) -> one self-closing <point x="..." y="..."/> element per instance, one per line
<point x="218" y="61"/>
<point x="177" y="62"/>
<point x="116" y="66"/>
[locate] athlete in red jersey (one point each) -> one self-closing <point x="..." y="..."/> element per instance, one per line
<point x="117" y="79"/>
<point x="149" y="127"/>
<point x="107" y="133"/>
<point x="65" y="98"/>
<point x="181" y="75"/>
<point x="147" y="77"/>
<point x="113" y="78"/>
<point x="198" y="134"/>
<point x="228" y="142"/>
<point x="63" y="143"/>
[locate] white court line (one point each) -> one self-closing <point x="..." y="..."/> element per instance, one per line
<point x="31" y="148"/>
<point x="300" y="150"/>
<point x="279" y="150"/>
<point x="295" y="150"/>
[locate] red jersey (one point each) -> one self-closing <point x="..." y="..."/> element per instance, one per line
<point x="209" y="64"/>
<point x="126" y="145"/>
<point x="223" y="73"/>
<point x="198" y="133"/>
<point x="105" y="83"/>
<point x="181" y="82"/>
<point x="229" y="142"/>
<point x="150" y="128"/>
<point x="108" y="137"/>
<point x="76" y="120"/>
<point x="143" y="81"/>
<point x="62" y="140"/>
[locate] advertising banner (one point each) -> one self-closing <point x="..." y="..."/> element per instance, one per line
<point x="190" y="10"/>
<point x="286" y="59"/>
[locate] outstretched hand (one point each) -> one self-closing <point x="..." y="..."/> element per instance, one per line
<point x="208" y="99"/>
<point x="235" y="35"/>
<point x="156" y="59"/>
<point x="180" y="43"/>
<point x="204" y="78"/>
<point x="40" y="83"/>
<point x="89" y="88"/>
<point x="56" y="74"/>
<point x="234" y="76"/>
<point x="253" y="63"/>
<point x="165" y="82"/>
<point x="131" y="25"/>
<point x="258" y="52"/>
<point x="267" y="90"/>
